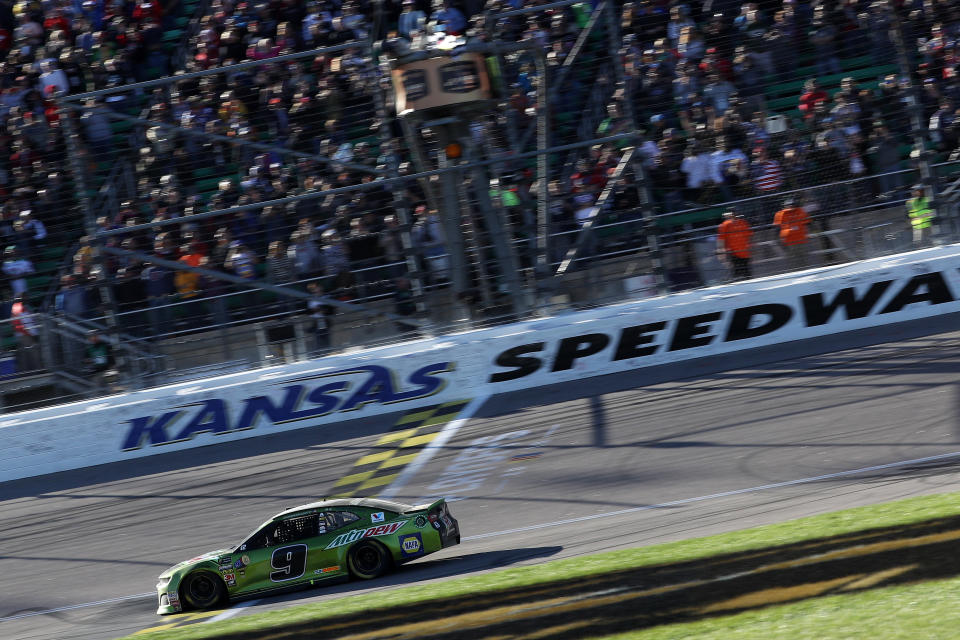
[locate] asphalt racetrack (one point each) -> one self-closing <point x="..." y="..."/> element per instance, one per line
<point x="600" y="465"/>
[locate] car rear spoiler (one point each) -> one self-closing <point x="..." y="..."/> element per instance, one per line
<point x="425" y="507"/>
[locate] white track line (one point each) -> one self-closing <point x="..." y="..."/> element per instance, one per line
<point x="714" y="496"/>
<point x="232" y="611"/>
<point x="444" y="437"/>
<point x="448" y="431"/>
<point x="70" y="607"/>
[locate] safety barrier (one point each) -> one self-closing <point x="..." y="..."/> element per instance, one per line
<point x="627" y="336"/>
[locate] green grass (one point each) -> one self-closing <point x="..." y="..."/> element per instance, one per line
<point x="925" y="611"/>
<point x="910" y="609"/>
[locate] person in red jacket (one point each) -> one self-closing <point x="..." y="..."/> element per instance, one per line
<point x="792" y="221"/>
<point x="27" y="332"/>
<point x="55" y="21"/>
<point x="148" y="11"/>
<point x="733" y="244"/>
<point x="812" y="96"/>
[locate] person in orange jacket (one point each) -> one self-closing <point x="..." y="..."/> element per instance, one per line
<point x="733" y="244"/>
<point x="792" y="221"/>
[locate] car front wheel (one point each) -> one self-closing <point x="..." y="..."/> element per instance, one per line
<point x="202" y="590"/>
<point x="368" y="560"/>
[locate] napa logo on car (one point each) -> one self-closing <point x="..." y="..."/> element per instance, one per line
<point x="369" y="532"/>
<point x="411" y="544"/>
<point x="302" y="398"/>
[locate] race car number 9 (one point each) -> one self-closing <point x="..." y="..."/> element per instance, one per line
<point x="289" y="562"/>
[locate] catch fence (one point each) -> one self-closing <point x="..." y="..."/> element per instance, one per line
<point x="283" y="208"/>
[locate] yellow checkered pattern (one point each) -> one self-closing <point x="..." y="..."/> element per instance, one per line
<point x="395" y="449"/>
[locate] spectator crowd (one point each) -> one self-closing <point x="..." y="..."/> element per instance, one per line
<point x="734" y="101"/>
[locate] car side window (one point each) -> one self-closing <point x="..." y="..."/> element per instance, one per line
<point x="260" y="540"/>
<point x="295" y="530"/>
<point x="346" y="518"/>
<point x="333" y="520"/>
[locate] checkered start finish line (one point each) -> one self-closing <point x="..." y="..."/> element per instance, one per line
<point x="397" y="448"/>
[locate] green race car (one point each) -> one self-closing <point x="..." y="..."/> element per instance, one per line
<point x="316" y="542"/>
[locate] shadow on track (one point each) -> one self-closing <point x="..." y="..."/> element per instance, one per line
<point x="638" y="598"/>
<point x="429" y="569"/>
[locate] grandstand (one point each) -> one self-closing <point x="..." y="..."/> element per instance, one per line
<point x="145" y="138"/>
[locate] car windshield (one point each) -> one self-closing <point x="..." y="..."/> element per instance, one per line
<point x="242" y="546"/>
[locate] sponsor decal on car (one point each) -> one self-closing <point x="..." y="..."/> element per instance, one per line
<point x="335" y="567"/>
<point x="246" y="560"/>
<point x="369" y="532"/>
<point x="173" y="598"/>
<point x="411" y="544"/>
<point x="376" y="517"/>
<point x="229" y="576"/>
<point x="238" y="563"/>
<point x="420" y="522"/>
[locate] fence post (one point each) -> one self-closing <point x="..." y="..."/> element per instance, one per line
<point x="77" y="158"/>
<point x="412" y="254"/>
<point x="918" y="130"/>
<point x="542" y="274"/>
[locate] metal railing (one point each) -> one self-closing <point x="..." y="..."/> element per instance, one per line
<point x="547" y="250"/>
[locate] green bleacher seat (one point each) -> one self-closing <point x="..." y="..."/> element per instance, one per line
<point x="781" y="104"/>
<point x="704" y="215"/>
<point x="211" y="184"/>
<point x="792" y="88"/>
<point x="849" y="64"/>
<point x="38" y="283"/>
<point x="54" y="253"/>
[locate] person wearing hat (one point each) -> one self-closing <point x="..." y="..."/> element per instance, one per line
<point x="411" y="20"/>
<point x="921" y="217"/>
<point x="792" y="222"/>
<point x="733" y="244"/>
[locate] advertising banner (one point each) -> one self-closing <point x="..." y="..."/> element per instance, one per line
<point x="321" y="393"/>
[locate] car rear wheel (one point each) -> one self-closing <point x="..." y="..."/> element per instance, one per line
<point x="202" y="590"/>
<point x="368" y="560"/>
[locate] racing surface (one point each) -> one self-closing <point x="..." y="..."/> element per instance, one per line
<point x="544" y="475"/>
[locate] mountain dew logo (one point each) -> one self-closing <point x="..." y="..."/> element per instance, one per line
<point x="369" y="532"/>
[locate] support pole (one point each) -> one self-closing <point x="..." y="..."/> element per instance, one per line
<point x="501" y="235"/>
<point x="412" y="254"/>
<point x="918" y="130"/>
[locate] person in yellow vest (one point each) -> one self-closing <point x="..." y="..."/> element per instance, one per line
<point x="921" y="217"/>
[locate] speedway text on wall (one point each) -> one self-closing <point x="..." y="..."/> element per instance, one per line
<point x="319" y="394"/>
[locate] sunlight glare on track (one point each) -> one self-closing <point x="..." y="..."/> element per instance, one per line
<point x="557" y="523"/>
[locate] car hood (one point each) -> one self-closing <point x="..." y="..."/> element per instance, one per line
<point x="210" y="556"/>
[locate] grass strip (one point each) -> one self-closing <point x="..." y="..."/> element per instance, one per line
<point x="926" y="610"/>
<point x="902" y="512"/>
